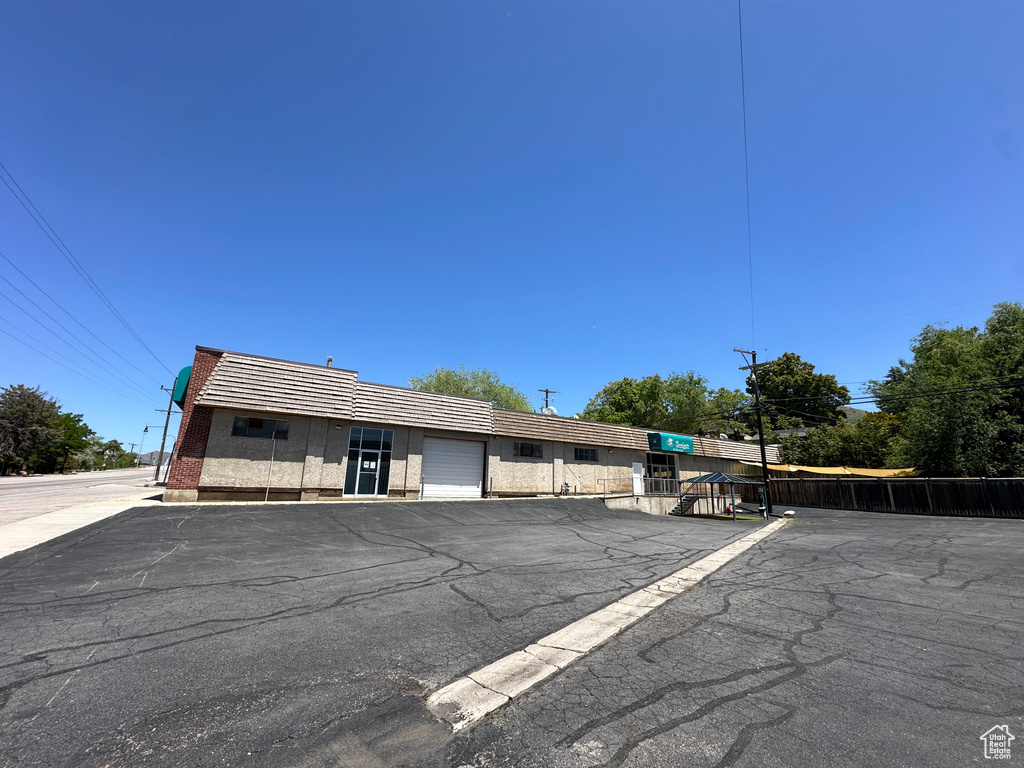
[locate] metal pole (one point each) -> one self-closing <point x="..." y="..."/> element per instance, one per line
<point x="732" y="499"/>
<point x="170" y="460"/>
<point x="273" y="447"/>
<point x="167" y="423"/>
<point x="138" y="459"/>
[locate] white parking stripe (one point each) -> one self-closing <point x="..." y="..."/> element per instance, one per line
<point x="472" y="697"/>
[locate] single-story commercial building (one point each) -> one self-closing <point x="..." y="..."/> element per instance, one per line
<point x="255" y="427"/>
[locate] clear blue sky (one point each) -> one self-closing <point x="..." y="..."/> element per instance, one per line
<point x="552" y="190"/>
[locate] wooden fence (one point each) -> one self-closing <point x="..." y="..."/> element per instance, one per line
<point x="964" y="497"/>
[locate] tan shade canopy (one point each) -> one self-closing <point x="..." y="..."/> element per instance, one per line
<point x="842" y="470"/>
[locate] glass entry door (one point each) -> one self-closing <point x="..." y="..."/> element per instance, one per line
<point x="369" y="462"/>
<point x="367" y="483"/>
<point x="661" y="474"/>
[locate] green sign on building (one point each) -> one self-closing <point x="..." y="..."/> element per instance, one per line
<point x="659" y="441"/>
<point x="181" y="386"/>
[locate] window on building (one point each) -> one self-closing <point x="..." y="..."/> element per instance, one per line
<point x="661" y="465"/>
<point x="532" y="450"/>
<point x="585" y="454"/>
<point x="252" y="427"/>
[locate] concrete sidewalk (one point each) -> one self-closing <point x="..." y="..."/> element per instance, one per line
<point x="23" y="534"/>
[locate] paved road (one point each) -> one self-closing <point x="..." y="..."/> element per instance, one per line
<point x="308" y="635"/>
<point x="25" y="497"/>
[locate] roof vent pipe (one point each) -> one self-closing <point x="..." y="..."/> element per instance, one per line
<point x="329" y="361"/>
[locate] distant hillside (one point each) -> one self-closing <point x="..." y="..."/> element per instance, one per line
<point x="151" y="457"/>
<point x="853" y="415"/>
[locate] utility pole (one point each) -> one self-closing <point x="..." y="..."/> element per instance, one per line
<point x="547" y="395"/>
<point x="760" y="426"/>
<point x="167" y="423"/>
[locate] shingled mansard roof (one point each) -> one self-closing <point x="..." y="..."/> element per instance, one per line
<point x="280" y="386"/>
<point x="263" y="384"/>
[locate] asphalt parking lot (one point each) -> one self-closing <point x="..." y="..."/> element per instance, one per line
<point x="290" y="635"/>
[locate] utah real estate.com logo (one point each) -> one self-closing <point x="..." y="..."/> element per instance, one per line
<point x="997" y="742"/>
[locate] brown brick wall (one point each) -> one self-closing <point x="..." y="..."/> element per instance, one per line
<point x="187" y="464"/>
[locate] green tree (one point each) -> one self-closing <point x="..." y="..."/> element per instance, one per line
<point x="61" y="455"/>
<point x="795" y="396"/>
<point x="728" y="412"/>
<point x="29" y="422"/>
<point x="867" y="444"/>
<point x="114" y="456"/>
<point x="483" y="384"/>
<point x="675" y="404"/>
<point x="960" y="400"/>
<point x="91" y="455"/>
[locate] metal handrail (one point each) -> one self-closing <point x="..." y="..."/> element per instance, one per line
<point x="626" y="481"/>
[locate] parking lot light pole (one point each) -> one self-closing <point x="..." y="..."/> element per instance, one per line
<point x="138" y="459"/>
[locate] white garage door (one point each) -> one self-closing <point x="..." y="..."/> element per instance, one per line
<point x="452" y="469"/>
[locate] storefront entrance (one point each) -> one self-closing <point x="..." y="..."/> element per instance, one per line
<point x="660" y="476"/>
<point x="369" y="462"/>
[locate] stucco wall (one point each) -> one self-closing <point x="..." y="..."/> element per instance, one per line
<point x="244" y="462"/>
<point x="512" y="474"/>
<point x="614" y="466"/>
<point x="314" y="460"/>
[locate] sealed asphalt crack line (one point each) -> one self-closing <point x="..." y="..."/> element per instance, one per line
<point x="747" y="732"/>
<point x="623" y="752"/>
<point x="675" y="687"/>
<point x="243" y="622"/>
<point x="468" y="699"/>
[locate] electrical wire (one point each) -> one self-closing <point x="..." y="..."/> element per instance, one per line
<point x="746" y="171"/>
<point x="994" y="381"/>
<point x="60" y="325"/>
<point x="70" y="258"/>
<point x="84" y="375"/>
<point x="70" y="364"/>
<point x="63" y="340"/>
<point x="80" y="323"/>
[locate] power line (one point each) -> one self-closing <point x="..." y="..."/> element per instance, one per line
<point x="62" y="339"/>
<point x="60" y="325"/>
<point x="80" y="323"/>
<point x="78" y="369"/>
<point x="70" y="258"/>
<point x="746" y="171"/>
<point x="84" y="375"/>
<point x="991" y="382"/>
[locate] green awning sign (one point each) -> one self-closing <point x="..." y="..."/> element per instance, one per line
<point x="181" y="386"/>
<point x="659" y="441"/>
